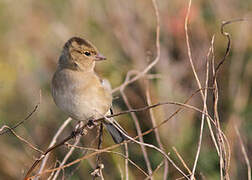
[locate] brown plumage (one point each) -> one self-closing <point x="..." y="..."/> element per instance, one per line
<point x="77" y="90"/>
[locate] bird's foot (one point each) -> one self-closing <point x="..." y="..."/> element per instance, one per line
<point x="91" y="123"/>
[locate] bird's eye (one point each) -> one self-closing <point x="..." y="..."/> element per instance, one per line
<point x="87" y="53"/>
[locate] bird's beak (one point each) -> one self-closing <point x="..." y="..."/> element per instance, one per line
<point x="100" y="57"/>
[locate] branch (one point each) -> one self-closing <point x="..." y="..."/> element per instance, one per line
<point x="23" y="121"/>
<point x="195" y="73"/>
<point x="244" y="152"/>
<point x="80" y="131"/>
<point x="54" y="140"/>
<point x="155" y="61"/>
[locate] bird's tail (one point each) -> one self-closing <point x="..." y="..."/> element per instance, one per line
<point x="117" y="135"/>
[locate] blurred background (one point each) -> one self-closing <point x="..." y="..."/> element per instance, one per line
<point x="33" y="33"/>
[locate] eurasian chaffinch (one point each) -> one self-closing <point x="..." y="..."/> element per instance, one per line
<point x="76" y="88"/>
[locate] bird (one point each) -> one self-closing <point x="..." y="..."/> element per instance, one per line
<point x="78" y="91"/>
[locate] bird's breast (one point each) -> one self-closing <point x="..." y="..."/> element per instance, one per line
<point x="80" y="95"/>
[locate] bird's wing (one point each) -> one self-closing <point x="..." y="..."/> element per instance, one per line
<point x="115" y="130"/>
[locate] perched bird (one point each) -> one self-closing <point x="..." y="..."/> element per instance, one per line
<point x="76" y="88"/>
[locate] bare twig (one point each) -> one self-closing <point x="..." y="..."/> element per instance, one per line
<point x="155" y="61"/>
<point x="22" y="139"/>
<point x="82" y="154"/>
<point x="150" y="146"/>
<point x="109" y="148"/>
<point x="244" y="152"/>
<point x="120" y="154"/>
<point x="216" y="118"/>
<point x="77" y="140"/>
<point x="195" y="73"/>
<point x="53" y="142"/>
<point x="153" y="120"/>
<point x="139" y="133"/>
<point x="23" y="121"/>
<point x="204" y="109"/>
<point x="182" y="160"/>
<point x="126" y="161"/>
<point x="182" y="177"/>
<point x="139" y="75"/>
<point x="155" y="170"/>
<point x="154" y="106"/>
<point x="102" y="150"/>
<point x="138" y="128"/>
<point x="224" y="23"/>
<point x="98" y="156"/>
<point x="224" y="153"/>
<point x="74" y="133"/>
<point x="51" y="175"/>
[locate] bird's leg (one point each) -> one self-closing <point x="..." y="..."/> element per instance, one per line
<point x="91" y="123"/>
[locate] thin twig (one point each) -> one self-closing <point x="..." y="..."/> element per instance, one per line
<point x="51" y="175"/>
<point x="204" y="109"/>
<point x="71" y="136"/>
<point x="74" y="133"/>
<point x="120" y="154"/>
<point x="153" y="120"/>
<point x="77" y="140"/>
<point x="82" y="154"/>
<point x="139" y="75"/>
<point x="195" y="73"/>
<point x="150" y="146"/>
<point x="109" y="148"/>
<point x="154" y="106"/>
<point x="216" y="118"/>
<point x="22" y="139"/>
<point x="98" y="156"/>
<point x="126" y="161"/>
<point x="182" y="177"/>
<point x="155" y="170"/>
<point x="245" y="154"/>
<point x="137" y="125"/>
<point x="139" y="133"/>
<point x="181" y="160"/>
<point x="54" y="140"/>
<point x="24" y="120"/>
<point x="223" y="24"/>
<point x="224" y="155"/>
<point x="103" y="150"/>
<point x="155" y="61"/>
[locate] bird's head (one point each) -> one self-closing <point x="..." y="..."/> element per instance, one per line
<point x="80" y="54"/>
